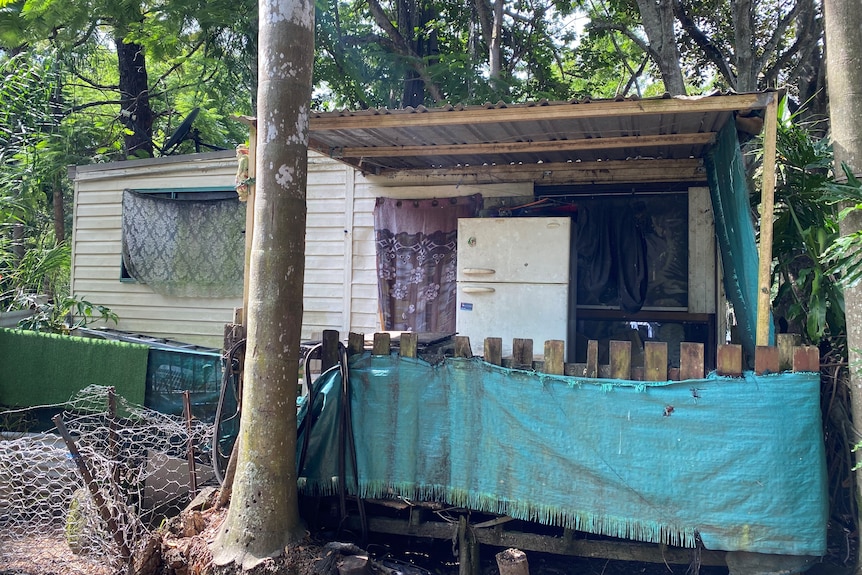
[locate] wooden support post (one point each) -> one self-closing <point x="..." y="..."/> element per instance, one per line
<point x="512" y="562"/>
<point x="766" y="360"/>
<point x="355" y="343"/>
<point x="786" y="344"/>
<point x="729" y="360"/>
<point x="468" y="549"/>
<point x="382" y="344"/>
<point x="330" y="354"/>
<point x="462" y="346"/>
<point x="592" y="358"/>
<point x="415" y="518"/>
<point x="655" y="361"/>
<point x="249" y="215"/>
<point x="494" y="350"/>
<point x="190" y="446"/>
<point x="522" y="353"/>
<point x="767" y="207"/>
<point x="555" y="356"/>
<point x="101" y="504"/>
<point x="621" y="359"/>
<point x="690" y="360"/>
<point x="408" y="344"/>
<point x="806" y="358"/>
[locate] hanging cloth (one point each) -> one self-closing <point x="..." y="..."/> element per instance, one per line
<point x="416" y="243"/>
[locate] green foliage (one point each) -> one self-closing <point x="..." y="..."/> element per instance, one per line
<point x="844" y="254"/>
<point x="811" y="262"/>
<point x="65" y="314"/>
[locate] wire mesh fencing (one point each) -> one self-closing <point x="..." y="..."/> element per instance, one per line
<point x="83" y="483"/>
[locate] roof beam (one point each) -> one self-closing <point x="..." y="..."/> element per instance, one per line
<point x="603" y="109"/>
<point x="520" y="147"/>
<point x="607" y="172"/>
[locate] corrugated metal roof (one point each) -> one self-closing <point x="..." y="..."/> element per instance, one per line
<point x="385" y="141"/>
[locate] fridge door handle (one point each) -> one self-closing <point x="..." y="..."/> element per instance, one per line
<point x="479" y="271"/>
<point x="478" y="290"/>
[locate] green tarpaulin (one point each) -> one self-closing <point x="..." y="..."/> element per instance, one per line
<point x="737" y="462"/>
<point x="43" y="368"/>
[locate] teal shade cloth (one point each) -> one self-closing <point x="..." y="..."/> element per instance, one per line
<point x="44" y="368"/>
<point x="737" y="462"/>
<point x="170" y="373"/>
<point x="728" y="186"/>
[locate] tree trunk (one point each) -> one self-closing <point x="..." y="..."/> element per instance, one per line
<point x="743" y="29"/>
<point x="495" y="50"/>
<point x="263" y="516"/>
<point x="59" y="211"/>
<point x="135" y="113"/>
<point x="811" y="77"/>
<point x="843" y="30"/>
<point x="658" y="22"/>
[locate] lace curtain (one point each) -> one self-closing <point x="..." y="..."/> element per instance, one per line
<point x="186" y="248"/>
<point x="416" y="244"/>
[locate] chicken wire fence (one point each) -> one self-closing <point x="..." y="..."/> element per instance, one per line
<point x="53" y="520"/>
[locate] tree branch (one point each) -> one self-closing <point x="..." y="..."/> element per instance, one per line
<point x="404" y="49"/>
<point x="92" y="84"/>
<point x="772" y="44"/>
<point x="179" y="62"/>
<point x="605" y="25"/>
<point x="713" y="53"/>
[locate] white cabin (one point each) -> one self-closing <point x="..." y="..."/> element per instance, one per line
<point x="340" y="278"/>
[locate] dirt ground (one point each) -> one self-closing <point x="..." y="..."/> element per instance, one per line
<point x="180" y="547"/>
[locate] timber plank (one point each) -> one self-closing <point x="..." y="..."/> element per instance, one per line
<point x="522" y="353"/>
<point x="355" y="343"/>
<point x="382" y="344"/>
<point x="691" y="360"/>
<point x="555" y="357"/>
<point x="786" y="344"/>
<point x="766" y="359"/>
<point x="615" y="550"/>
<point x="806" y="358"/>
<point x="655" y="361"/>
<point x="621" y="359"/>
<point x="462" y="346"/>
<point x="408" y="344"/>
<point x="592" y="358"/>
<point x="494" y="350"/>
<point x="729" y="360"/>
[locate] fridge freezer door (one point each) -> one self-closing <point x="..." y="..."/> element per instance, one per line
<point x="509" y="310"/>
<point x="520" y="250"/>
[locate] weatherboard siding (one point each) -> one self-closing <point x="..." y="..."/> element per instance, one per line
<point x="340" y="265"/>
<point x="97" y="244"/>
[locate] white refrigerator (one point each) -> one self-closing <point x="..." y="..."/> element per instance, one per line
<point x="513" y="281"/>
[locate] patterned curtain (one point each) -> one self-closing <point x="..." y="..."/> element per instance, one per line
<point x="185" y="248"/>
<point x="416" y="261"/>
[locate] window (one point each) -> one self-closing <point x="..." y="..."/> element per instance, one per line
<point x="184" y="242"/>
<point x="637" y="277"/>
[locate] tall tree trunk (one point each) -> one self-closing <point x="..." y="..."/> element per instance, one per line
<point x="743" y="30"/>
<point x="658" y="22"/>
<point x="135" y="112"/>
<point x="263" y="517"/>
<point x="495" y="50"/>
<point x="59" y="210"/>
<point x="843" y="29"/>
<point x="811" y="76"/>
<point x="18" y="243"/>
